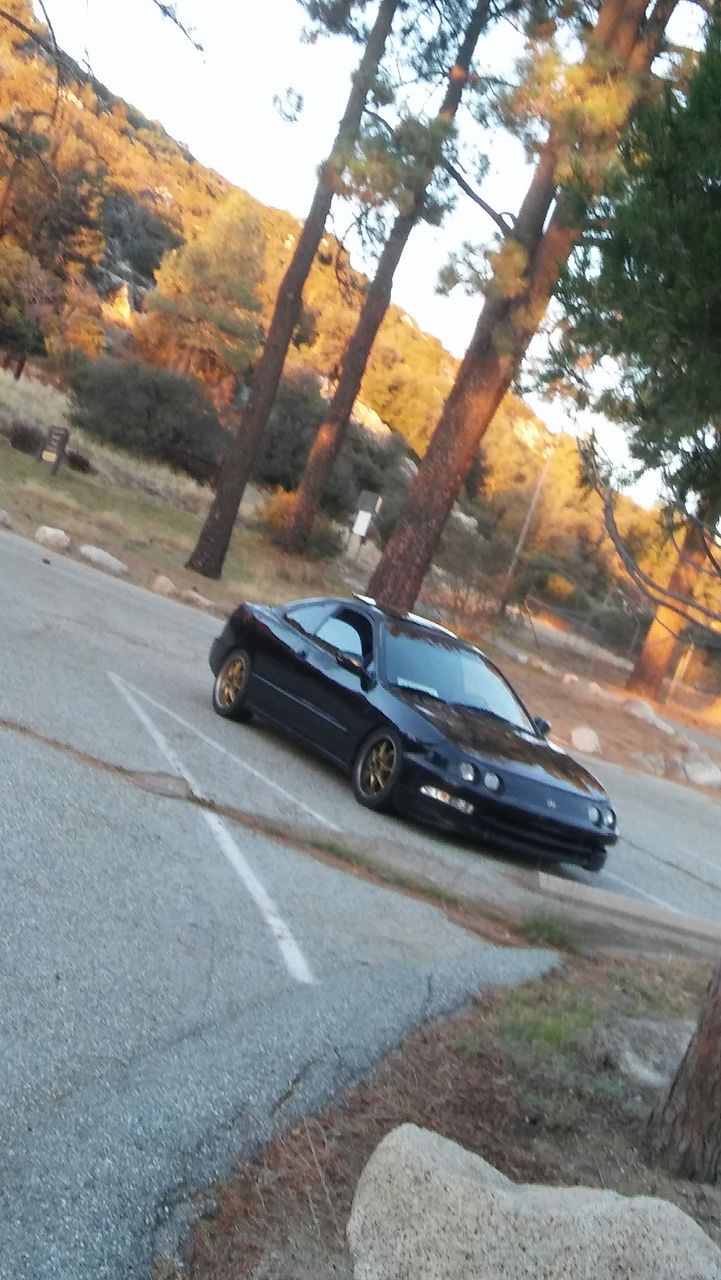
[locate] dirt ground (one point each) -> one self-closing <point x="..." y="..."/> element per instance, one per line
<point x="511" y="1079"/>
<point x="622" y="736"/>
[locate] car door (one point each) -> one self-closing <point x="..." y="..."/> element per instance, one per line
<point x="341" y="713"/>
<point x="283" y="683"/>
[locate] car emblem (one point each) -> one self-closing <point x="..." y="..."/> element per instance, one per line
<point x="551" y="803"/>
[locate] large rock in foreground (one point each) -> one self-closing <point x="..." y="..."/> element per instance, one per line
<point x="425" y="1208"/>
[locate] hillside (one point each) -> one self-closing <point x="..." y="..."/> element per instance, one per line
<point x="102" y="213"/>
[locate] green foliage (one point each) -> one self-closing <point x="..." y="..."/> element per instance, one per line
<point x="20" y="331"/>
<point x="149" y="412"/>
<point x="297" y="414"/>
<point x="642" y="296"/>
<point x="547" y="930"/>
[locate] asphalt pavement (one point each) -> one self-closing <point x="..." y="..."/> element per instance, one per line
<point x="173" y="986"/>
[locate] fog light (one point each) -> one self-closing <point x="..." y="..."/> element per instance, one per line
<point x="491" y="781"/>
<point x="595" y="815"/>
<point x="610" y="818"/>
<point x="445" y="797"/>
<point x="467" y="771"/>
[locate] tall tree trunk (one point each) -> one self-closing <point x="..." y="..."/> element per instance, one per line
<point x="684" y="1131"/>
<point x="332" y="431"/>
<point x="212" y="545"/>
<point x="656" y="657"/>
<point x="506" y="324"/>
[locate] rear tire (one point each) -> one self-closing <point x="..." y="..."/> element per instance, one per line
<point x="231" y="686"/>
<point x="376" y="770"/>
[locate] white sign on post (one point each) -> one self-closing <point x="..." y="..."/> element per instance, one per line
<point x="362" y="523"/>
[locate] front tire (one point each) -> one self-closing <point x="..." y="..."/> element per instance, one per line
<point x="597" y="861"/>
<point x="376" y="770"/>
<point x="231" y="686"/>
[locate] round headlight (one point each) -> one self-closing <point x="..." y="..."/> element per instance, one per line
<point x="491" y="781"/>
<point x="595" y="815"/>
<point x="467" y="771"/>
<point x="610" y="818"/>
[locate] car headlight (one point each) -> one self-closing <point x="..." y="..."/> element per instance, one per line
<point x="491" y="781"/>
<point x="609" y="818"/>
<point x="595" y="815"/>
<point x="467" y="771"/>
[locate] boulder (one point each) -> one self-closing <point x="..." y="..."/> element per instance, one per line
<point x="6" y="521"/>
<point x="163" y="586"/>
<point x="644" y="711"/>
<point x="191" y="596"/>
<point x="427" y="1209"/>
<point x="540" y="664"/>
<point x="103" y="559"/>
<point x="650" y="762"/>
<point x="647" y="1051"/>
<point x="701" y="769"/>
<point x="55" y="539"/>
<point x="585" y="739"/>
<point x="570" y="677"/>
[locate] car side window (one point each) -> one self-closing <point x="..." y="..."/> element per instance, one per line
<point x="350" y="632"/>
<point x="308" y="617"/>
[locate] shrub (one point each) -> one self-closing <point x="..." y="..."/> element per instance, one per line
<point x="150" y="412"/>
<point x="557" y="587"/>
<point x="325" y="542"/>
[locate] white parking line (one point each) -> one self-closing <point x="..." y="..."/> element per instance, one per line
<point x="295" y="961"/>
<point x="640" y="893"/>
<point x="268" y="782"/>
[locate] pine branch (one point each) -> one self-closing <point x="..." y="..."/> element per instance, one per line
<point x="500" y="219"/>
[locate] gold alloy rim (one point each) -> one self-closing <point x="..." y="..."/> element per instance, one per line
<point x="231" y="681"/>
<point x="377" y="768"/>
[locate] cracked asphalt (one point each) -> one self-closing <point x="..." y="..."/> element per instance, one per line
<point x="175" y="985"/>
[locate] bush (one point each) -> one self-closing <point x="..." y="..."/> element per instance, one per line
<point x="299" y="410"/>
<point x="150" y="412"/>
<point x="325" y="542"/>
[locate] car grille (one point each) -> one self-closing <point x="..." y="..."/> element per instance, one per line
<point x="547" y="837"/>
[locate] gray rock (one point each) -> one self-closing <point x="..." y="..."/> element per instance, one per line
<point x="463" y="521"/>
<point x="647" y="1051"/>
<point x="540" y="664"/>
<point x="191" y="596"/>
<point x="103" y="559"/>
<point x="55" y="539"/>
<point x="585" y="739"/>
<point x="650" y="762"/>
<point x="6" y="521"/>
<point x="164" y="587"/>
<point x="701" y="769"/>
<point x="644" y="711"/>
<point x="425" y="1208"/>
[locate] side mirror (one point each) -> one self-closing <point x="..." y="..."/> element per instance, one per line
<point x="543" y="726"/>
<point x="350" y="662"/>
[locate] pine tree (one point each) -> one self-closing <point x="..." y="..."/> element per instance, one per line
<point x="209" y="553"/>
<point x="378" y="295"/>
<point x="641" y="335"/>
<point x="591" y="104"/>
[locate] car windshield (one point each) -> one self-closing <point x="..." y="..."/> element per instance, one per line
<point x="439" y="667"/>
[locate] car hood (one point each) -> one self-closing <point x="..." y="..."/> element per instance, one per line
<point x="501" y="744"/>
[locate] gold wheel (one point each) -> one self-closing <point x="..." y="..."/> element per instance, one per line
<point x="378" y="767"/>
<point x="231" y="681"/>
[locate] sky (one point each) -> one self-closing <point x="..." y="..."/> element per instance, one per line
<point x="220" y="103"/>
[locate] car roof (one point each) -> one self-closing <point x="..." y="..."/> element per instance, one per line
<point x="397" y="614"/>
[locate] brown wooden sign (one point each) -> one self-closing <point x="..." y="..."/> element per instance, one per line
<point x="54" y="446"/>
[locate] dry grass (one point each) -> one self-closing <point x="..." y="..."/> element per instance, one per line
<point x="32" y="401"/>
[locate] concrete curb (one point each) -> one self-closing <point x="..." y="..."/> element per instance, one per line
<point x="645" y="913"/>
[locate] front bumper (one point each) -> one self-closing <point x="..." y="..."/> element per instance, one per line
<point x="501" y="823"/>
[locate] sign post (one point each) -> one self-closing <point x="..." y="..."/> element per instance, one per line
<point x="53" y="447"/>
<point x="369" y="504"/>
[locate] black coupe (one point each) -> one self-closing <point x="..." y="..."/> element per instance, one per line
<point x="421" y="720"/>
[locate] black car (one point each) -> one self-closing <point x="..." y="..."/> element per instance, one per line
<point x="422" y="721"/>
